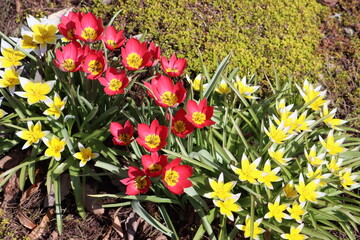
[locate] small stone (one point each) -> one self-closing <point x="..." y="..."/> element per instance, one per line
<point x="349" y="31"/>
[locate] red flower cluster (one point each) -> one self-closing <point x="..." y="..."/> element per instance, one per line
<point x="173" y="175"/>
<point x="86" y="28"/>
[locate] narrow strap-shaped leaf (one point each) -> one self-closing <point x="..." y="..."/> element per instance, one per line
<point x="147" y="217"/>
<point x="201" y="230"/>
<point x="168" y="221"/>
<point x="58" y="208"/>
<point x="78" y="190"/>
<point x="217" y="76"/>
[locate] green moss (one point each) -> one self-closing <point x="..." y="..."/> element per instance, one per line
<point x="260" y="33"/>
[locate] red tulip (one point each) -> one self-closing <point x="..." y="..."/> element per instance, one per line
<point x="114" y="81"/>
<point x="113" y="39"/>
<point x="67" y="24"/>
<point x="135" y="55"/>
<point x="155" y="54"/>
<point x="94" y="64"/>
<point x="69" y="58"/>
<point x="122" y="134"/>
<point x="175" y="176"/>
<point x="199" y="114"/>
<point x="174" y="67"/>
<point x="88" y="28"/>
<point x="180" y="125"/>
<point x="165" y="93"/>
<point x="153" y="137"/>
<point x="154" y="164"/>
<point x="137" y="182"/>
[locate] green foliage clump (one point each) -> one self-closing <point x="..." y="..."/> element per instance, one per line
<point x="262" y="34"/>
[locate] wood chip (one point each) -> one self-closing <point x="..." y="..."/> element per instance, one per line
<point x="132" y="224"/>
<point x="40" y="230"/>
<point x="92" y="204"/>
<point x="117" y="226"/>
<point x="25" y="220"/>
<point x="29" y="192"/>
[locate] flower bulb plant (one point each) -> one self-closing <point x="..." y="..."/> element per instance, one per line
<point x="89" y="102"/>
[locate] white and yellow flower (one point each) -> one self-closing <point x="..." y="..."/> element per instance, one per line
<point x="10" y="56"/>
<point x="248" y="171"/>
<point x="36" y="90"/>
<point x="10" y="78"/>
<point x="278" y="135"/>
<point x="347" y="178"/>
<point x="55" y="106"/>
<point x="307" y="192"/>
<point x="223" y="87"/>
<point x="257" y="231"/>
<point x="42" y="31"/>
<point x="332" y="147"/>
<point x="55" y="147"/>
<point x="335" y="165"/>
<point x="317" y="174"/>
<point x="297" y="211"/>
<point x="269" y="176"/>
<point x="311" y="93"/>
<point x="245" y="89"/>
<point x="313" y="158"/>
<point x="330" y="121"/>
<point x="278" y="155"/>
<point x="2" y="112"/>
<point x="295" y="233"/>
<point x="84" y="155"/>
<point x="221" y="189"/>
<point x="276" y="210"/>
<point x="198" y="82"/>
<point x="228" y="206"/>
<point x="32" y="135"/>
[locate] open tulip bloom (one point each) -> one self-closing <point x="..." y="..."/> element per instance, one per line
<point x="113" y="39"/>
<point x="67" y="25"/>
<point x="94" y="65"/>
<point x="199" y="115"/>
<point x="114" y="82"/>
<point x="180" y="125"/>
<point x="174" y="67"/>
<point x="165" y="93"/>
<point x="154" y="164"/>
<point x="9" y="78"/>
<point x="35" y="91"/>
<point x="10" y="56"/>
<point x="69" y="57"/>
<point x="137" y="182"/>
<point x="122" y="134"/>
<point x="135" y="55"/>
<point x="88" y="28"/>
<point x="153" y="137"/>
<point x="175" y="176"/>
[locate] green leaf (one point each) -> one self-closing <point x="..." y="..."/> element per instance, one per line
<point x="78" y="190"/>
<point x="168" y="221"/>
<point x="201" y="230"/>
<point x="147" y="217"/>
<point x="217" y="76"/>
<point x="58" y="208"/>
